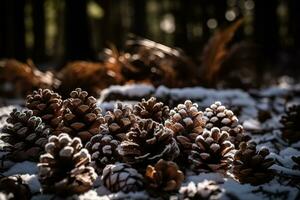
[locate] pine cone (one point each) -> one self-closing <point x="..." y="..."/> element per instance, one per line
<point x="103" y="150"/>
<point x="26" y="136"/>
<point x="15" y="188"/>
<point x="120" y="120"/>
<point x="212" y="151"/>
<point x="121" y="177"/>
<point x="47" y="105"/>
<point x="65" y="169"/>
<point x="206" y="190"/>
<point x="296" y="160"/>
<point x="250" y="166"/>
<point x="219" y="116"/>
<point x="164" y="176"/>
<point x="291" y="125"/>
<point x="82" y="117"/>
<point x="147" y="142"/>
<point x="187" y="123"/>
<point x="151" y="109"/>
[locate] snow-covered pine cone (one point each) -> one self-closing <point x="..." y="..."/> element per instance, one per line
<point x="187" y="123"/>
<point x="219" y="116"/>
<point x="119" y="121"/>
<point x="212" y="151"/>
<point x="152" y="109"/>
<point x="65" y="169"/>
<point x="14" y="188"/>
<point x="26" y="136"/>
<point x="164" y="176"/>
<point x="291" y="125"/>
<point x="82" y="117"/>
<point x="206" y="190"/>
<point x="251" y="166"/>
<point x="147" y="142"/>
<point x="47" y="105"/>
<point x="103" y="150"/>
<point x="121" y="177"/>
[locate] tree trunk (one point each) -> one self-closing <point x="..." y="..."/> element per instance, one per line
<point x="38" y="12"/>
<point x="77" y="37"/>
<point x="139" y="18"/>
<point x="13" y="29"/>
<point x="294" y="26"/>
<point x="266" y="26"/>
<point x="181" y="20"/>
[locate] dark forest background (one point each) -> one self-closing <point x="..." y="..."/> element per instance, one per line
<point x="56" y="31"/>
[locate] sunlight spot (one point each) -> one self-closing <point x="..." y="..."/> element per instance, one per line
<point x="167" y="24"/>
<point x="212" y="23"/>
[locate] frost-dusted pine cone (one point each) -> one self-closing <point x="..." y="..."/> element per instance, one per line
<point x="152" y="109"/>
<point x="15" y="188"/>
<point x="212" y="151"/>
<point x="296" y="160"/>
<point x="147" y="142"/>
<point x="47" y="105"/>
<point x="206" y="190"/>
<point x="103" y="150"/>
<point x="187" y="123"/>
<point x="251" y="166"/>
<point x="25" y="135"/>
<point x="65" y="169"/>
<point x="120" y="120"/>
<point x="219" y="116"/>
<point x="121" y="177"/>
<point x="291" y="125"/>
<point x="164" y="176"/>
<point x="82" y="117"/>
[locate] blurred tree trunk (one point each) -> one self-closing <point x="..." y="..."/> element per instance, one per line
<point x="104" y="22"/>
<point x="220" y="10"/>
<point x="181" y="21"/>
<point x="294" y="25"/>
<point x="38" y="12"/>
<point x="77" y="37"/>
<point x="116" y="35"/>
<point x="13" y="29"/>
<point x="204" y="19"/>
<point x="139" y="18"/>
<point x="3" y="29"/>
<point x="266" y="26"/>
<point x="19" y="30"/>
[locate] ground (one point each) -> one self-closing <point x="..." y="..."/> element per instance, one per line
<point x="248" y="106"/>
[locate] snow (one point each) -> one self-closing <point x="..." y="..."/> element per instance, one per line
<point x="33" y="182"/>
<point x="132" y="90"/>
<point x="252" y="125"/>
<point x="286" y="171"/>
<point x="25" y="167"/>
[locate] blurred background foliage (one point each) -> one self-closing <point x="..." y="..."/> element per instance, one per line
<point x="213" y="43"/>
<point x="61" y="30"/>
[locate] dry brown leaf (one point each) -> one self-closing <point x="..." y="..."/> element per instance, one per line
<point x="215" y="51"/>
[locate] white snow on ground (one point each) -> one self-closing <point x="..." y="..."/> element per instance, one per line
<point x="130" y="90"/>
<point x="25" y="167"/>
<point x="33" y="182"/>
<point x="248" y="106"/>
<point x="108" y="106"/>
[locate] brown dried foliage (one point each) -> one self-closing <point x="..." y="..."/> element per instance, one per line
<point x="90" y="76"/>
<point x="216" y="51"/>
<point x="18" y="79"/>
<point x="147" y="61"/>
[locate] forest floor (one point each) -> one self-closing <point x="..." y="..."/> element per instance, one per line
<point x="259" y="111"/>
